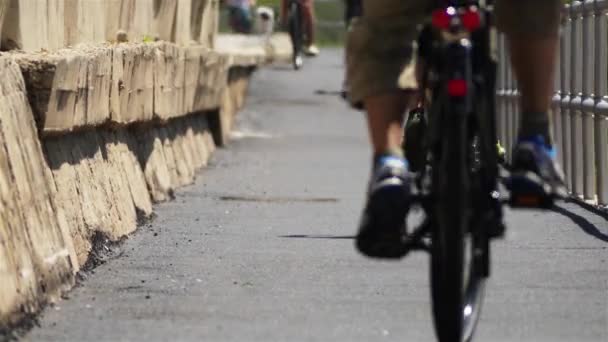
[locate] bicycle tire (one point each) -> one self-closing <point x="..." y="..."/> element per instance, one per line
<point x="456" y="282"/>
<point x="296" y="34"/>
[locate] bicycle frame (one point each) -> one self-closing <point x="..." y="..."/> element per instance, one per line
<point x="461" y="203"/>
<point x="465" y="60"/>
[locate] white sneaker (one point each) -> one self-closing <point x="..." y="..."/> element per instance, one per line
<point x="311" y="50"/>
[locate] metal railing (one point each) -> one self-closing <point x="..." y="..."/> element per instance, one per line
<point x="580" y="102"/>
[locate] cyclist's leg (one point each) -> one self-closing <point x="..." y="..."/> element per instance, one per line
<point x="532" y="28"/>
<point x="381" y="74"/>
<point x="308" y="18"/>
<point x="308" y="14"/>
<point x="283" y="12"/>
<point x="381" y="65"/>
<point x="533" y="37"/>
<point x="385" y="120"/>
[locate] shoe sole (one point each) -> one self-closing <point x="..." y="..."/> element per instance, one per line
<point x="388" y="208"/>
<point x="531" y="192"/>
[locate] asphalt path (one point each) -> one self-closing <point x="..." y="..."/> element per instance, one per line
<point x="261" y="249"/>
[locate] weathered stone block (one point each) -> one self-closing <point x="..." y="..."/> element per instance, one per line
<point x="36" y="257"/>
<point x="49" y="31"/>
<point x="69" y="89"/>
<point x="166" y="93"/>
<point x="132" y="94"/>
<point x="63" y="23"/>
<point x="171" y="155"/>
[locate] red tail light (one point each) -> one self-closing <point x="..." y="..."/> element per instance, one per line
<point x="471" y="20"/>
<point x="442" y="19"/>
<point x="457" y="88"/>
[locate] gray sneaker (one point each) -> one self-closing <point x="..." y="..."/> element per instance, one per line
<point x="383" y="227"/>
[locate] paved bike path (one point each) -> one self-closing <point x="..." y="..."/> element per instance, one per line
<point x="260" y="248"/>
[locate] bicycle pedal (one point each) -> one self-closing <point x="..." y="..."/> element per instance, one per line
<point x="531" y="201"/>
<point x="528" y="190"/>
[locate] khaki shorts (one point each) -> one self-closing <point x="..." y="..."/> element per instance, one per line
<point x="381" y="44"/>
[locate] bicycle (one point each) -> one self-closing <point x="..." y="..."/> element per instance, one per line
<point x="457" y="164"/>
<point x="296" y="32"/>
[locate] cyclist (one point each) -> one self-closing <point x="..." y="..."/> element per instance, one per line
<point x="382" y="76"/>
<point x="308" y="18"/>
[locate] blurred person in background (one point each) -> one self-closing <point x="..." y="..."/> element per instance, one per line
<point x="308" y="18"/>
<point x="240" y="15"/>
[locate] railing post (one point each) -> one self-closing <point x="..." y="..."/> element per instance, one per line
<point x="577" y="98"/>
<point x="601" y="147"/>
<point x="516" y="111"/>
<point x="601" y="92"/>
<point x="588" y="104"/>
<point x="505" y="88"/>
<point x="566" y="94"/>
<point x="500" y="92"/>
<point x="510" y="103"/>
<point x="556" y="113"/>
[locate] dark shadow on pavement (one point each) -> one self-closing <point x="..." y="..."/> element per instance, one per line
<point x="583" y="223"/>
<point x="328" y="92"/>
<point x="326" y="237"/>
<point x="286" y="67"/>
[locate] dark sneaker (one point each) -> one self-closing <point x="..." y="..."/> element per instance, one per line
<point x="536" y="179"/>
<point x="382" y="226"/>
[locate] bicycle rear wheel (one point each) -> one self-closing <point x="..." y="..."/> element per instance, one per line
<point x="456" y="279"/>
<point x="296" y="33"/>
